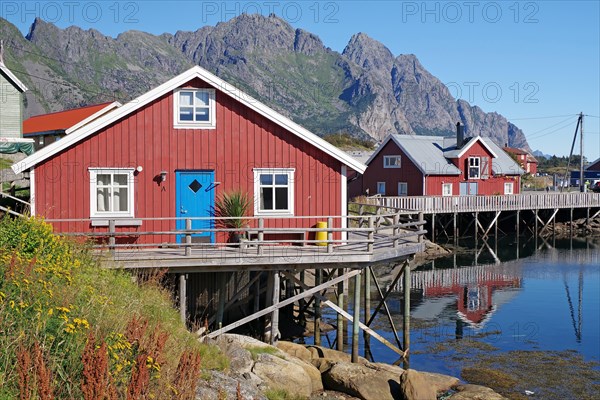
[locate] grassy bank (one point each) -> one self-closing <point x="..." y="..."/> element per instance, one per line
<point x="69" y="329"/>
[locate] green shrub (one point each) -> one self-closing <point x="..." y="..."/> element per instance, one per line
<point x="54" y="297"/>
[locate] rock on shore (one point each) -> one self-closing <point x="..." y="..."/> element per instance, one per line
<point x="322" y="373"/>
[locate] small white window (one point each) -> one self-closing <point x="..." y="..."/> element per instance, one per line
<point x="402" y="188"/>
<point x="381" y="188"/>
<point x="111" y="192"/>
<point x="474" y="168"/>
<point x="194" y="108"/>
<point x="273" y="191"/>
<point x="392" y="161"/>
<point x="508" y="188"/>
<point x="446" y="189"/>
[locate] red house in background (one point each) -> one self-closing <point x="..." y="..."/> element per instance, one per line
<point x="594" y="165"/>
<point x="48" y="128"/>
<point x="406" y="165"/>
<point x="526" y="160"/>
<point x="169" y="152"/>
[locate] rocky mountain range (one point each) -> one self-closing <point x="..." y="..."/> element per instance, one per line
<point x="365" y="90"/>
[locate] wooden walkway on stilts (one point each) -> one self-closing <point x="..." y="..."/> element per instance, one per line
<point x="251" y="281"/>
<point x="481" y="216"/>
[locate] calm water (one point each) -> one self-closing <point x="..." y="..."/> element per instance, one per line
<point x="547" y="299"/>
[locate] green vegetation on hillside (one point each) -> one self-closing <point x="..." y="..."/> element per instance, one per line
<point x="345" y="141"/>
<point x="558" y="164"/>
<point x="72" y="330"/>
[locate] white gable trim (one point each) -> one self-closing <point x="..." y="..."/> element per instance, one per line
<point x="20" y="86"/>
<point x="94" y="116"/>
<point x="179" y="80"/>
<point x="471" y="143"/>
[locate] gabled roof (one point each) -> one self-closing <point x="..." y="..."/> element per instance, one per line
<point x="169" y="86"/>
<point x="593" y="164"/>
<point x="426" y="152"/>
<point x="66" y="121"/>
<point x="457" y="153"/>
<point x="431" y="157"/>
<point x="12" y="78"/>
<point x="503" y="164"/>
<point x="513" y="150"/>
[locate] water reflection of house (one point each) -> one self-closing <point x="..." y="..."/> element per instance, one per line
<point x="474" y="293"/>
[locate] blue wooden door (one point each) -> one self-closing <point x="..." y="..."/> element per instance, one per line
<point x="195" y="197"/>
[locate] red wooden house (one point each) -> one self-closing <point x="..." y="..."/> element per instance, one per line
<point x="406" y="165"/>
<point x="526" y="160"/>
<point x="48" y="128"/>
<point x="169" y="152"/>
<point x="594" y="165"/>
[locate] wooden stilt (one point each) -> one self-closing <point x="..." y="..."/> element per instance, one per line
<point x="340" y="317"/>
<point x="476" y="224"/>
<point x="433" y="227"/>
<point x="356" y="320"/>
<point x="571" y="223"/>
<point x="455" y="234"/>
<point x="406" y="317"/>
<point x="221" y="281"/>
<point x="301" y="306"/>
<point x="367" y="309"/>
<point x="518" y="224"/>
<point x="275" y="314"/>
<point x="256" y="305"/>
<point x="183" y="298"/>
<point x="317" y="319"/>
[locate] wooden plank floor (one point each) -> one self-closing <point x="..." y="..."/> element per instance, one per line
<point x="212" y="259"/>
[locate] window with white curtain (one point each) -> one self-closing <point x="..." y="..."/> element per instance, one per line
<point x="111" y="192"/>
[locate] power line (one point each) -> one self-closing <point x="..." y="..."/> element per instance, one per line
<point x="530" y="136"/>
<point x="547" y="117"/>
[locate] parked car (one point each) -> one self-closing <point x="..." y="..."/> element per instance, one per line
<point x="596" y="187"/>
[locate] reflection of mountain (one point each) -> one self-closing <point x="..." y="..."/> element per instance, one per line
<point x="473" y="292"/>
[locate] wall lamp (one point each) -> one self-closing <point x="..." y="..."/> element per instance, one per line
<point x="163" y="176"/>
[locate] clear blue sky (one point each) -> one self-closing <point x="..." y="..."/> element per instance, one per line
<point x="523" y="59"/>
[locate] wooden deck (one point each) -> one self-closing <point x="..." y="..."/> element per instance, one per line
<point x="370" y="240"/>
<point x="461" y="204"/>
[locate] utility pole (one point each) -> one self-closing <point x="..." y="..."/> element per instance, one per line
<point x="582" y="187"/>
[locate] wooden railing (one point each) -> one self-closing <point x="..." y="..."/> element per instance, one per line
<point x="362" y="233"/>
<point x="450" y="204"/>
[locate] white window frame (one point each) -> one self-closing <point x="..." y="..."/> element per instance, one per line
<point x="474" y="162"/>
<point x="403" y="192"/>
<point x="447" y="189"/>
<point x="380" y="185"/>
<point x="392" y="161"/>
<point x="257" y="186"/>
<point x="511" y="187"/>
<point x="210" y="124"/>
<point x="94" y="213"/>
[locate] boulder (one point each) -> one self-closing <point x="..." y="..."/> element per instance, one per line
<point x="295" y="350"/>
<point x="365" y="381"/>
<point x="278" y="373"/>
<point x="222" y="386"/>
<point x="334" y="355"/>
<point x="475" y="392"/>
<point x="311" y="371"/>
<point x="240" y="359"/>
<point x="441" y="383"/>
<point x="414" y="386"/>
